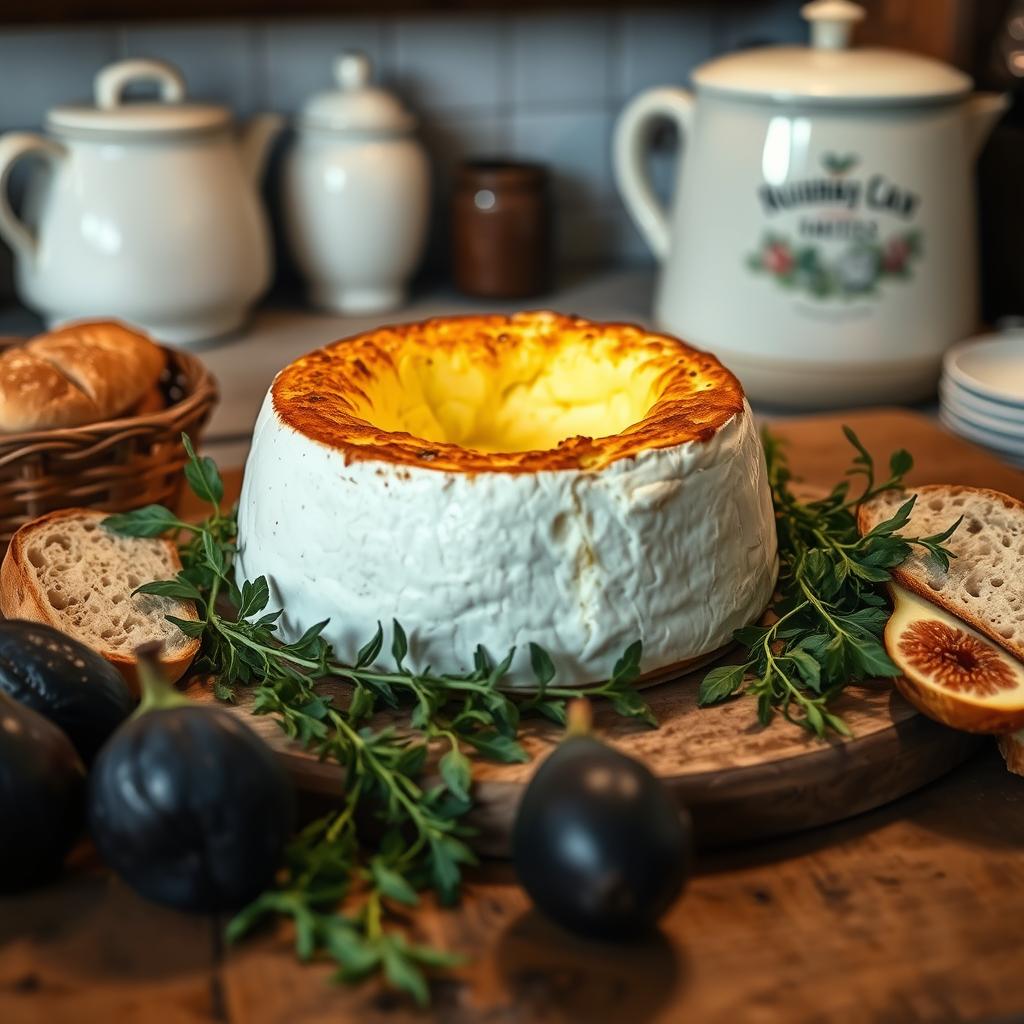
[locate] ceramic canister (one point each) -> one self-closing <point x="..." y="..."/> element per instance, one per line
<point x="822" y="236"/>
<point x="356" y="191"/>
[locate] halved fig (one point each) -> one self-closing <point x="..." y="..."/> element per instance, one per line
<point x="951" y="672"/>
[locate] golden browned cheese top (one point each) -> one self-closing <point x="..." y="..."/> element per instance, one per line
<point x="452" y="373"/>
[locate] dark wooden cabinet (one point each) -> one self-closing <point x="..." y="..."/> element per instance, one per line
<point x="103" y="10"/>
<point x="952" y="30"/>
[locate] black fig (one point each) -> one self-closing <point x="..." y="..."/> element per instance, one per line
<point x="187" y="804"/>
<point x="598" y="843"/>
<point x="42" y="796"/>
<point x="65" y="681"/>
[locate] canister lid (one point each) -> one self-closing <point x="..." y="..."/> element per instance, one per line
<point x="830" y="70"/>
<point x="356" y="105"/>
<point x="113" y="115"/>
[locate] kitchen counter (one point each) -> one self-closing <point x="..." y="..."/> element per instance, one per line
<point x="245" y="363"/>
<point x="908" y="914"/>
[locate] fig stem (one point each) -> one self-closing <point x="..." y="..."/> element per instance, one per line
<point x="157" y="693"/>
<point x="579" y="717"/>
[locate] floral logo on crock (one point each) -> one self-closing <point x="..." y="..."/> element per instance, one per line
<point x="836" y="247"/>
<point x="857" y="270"/>
<point x="838" y="164"/>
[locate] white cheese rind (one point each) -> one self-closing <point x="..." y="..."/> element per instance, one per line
<point x="675" y="546"/>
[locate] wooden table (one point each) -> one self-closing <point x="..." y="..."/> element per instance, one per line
<point x="911" y="913"/>
<point x="914" y="912"/>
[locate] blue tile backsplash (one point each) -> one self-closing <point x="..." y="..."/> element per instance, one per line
<point x="543" y="85"/>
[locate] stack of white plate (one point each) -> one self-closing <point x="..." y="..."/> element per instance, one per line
<point x="981" y="395"/>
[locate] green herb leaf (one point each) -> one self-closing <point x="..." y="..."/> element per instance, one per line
<point x="401" y="972"/>
<point x="371" y="649"/>
<point x="255" y="595"/>
<point x="148" y="521"/>
<point x="189" y="627"/>
<point x="399" y="643"/>
<point x="720" y="683"/>
<point x="392" y="885"/>
<point x="543" y="666"/>
<point x="497" y="747"/>
<point x="178" y="588"/>
<point x="456" y="772"/>
<point x="202" y="475"/>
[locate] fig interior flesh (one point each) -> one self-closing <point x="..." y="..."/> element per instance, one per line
<point x="952" y="672"/>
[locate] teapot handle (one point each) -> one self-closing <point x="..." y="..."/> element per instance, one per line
<point x="632" y="136"/>
<point x="14" y="146"/>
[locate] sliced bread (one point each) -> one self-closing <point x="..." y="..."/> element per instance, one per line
<point x="984" y="585"/>
<point x="1011" y="746"/>
<point x="66" y="570"/>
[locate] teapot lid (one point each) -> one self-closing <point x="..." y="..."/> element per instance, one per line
<point x="113" y="115"/>
<point x="356" y="105"/>
<point x="830" y="70"/>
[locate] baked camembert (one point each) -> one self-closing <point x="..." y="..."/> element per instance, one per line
<point x="500" y="480"/>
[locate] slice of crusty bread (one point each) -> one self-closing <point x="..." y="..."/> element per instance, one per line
<point x="66" y="570"/>
<point x="1011" y="746"/>
<point x="984" y="586"/>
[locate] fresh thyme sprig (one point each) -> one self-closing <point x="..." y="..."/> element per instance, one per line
<point x="398" y="831"/>
<point x="830" y="609"/>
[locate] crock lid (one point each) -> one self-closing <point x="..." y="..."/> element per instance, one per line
<point x="829" y="70"/>
<point x="356" y="105"/>
<point x="112" y="115"/>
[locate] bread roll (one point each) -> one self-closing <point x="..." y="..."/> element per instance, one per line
<point x="82" y="373"/>
<point x="34" y="396"/>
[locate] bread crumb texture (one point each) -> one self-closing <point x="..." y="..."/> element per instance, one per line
<point x="983" y="585"/>
<point x="87" y="575"/>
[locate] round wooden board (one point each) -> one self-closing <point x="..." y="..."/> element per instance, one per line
<point x="739" y="780"/>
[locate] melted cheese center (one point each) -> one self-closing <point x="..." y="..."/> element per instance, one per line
<point x="531" y="399"/>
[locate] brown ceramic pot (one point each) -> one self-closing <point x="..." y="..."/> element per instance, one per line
<point x="501" y="231"/>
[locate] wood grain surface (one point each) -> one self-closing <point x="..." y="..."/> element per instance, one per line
<point x="904" y="915"/>
<point x="910" y="914"/>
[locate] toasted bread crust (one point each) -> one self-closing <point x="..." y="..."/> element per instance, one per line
<point x="911" y="582"/>
<point x="83" y="373"/>
<point x="21" y="599"/>
<point x="1011" y="746"/>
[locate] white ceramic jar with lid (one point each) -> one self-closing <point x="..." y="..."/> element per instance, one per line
<point x="145" y="211"/>
<point x="356" y="191"/>
<point x="822" y="235"/>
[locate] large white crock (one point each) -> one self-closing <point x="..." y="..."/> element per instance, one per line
<point x="148" y="212"/>
<point x="356" y="194"/>
<point x="822" y="236"/>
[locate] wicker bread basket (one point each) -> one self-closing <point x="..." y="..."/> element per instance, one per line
<point x="114" y="465"/>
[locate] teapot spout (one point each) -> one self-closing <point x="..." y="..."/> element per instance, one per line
<point x="257" y="135"/>
<point x="983" y="111"/>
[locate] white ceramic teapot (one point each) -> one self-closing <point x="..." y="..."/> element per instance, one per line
<point x="822" y="235"/>
<point x="356" y="194"/>
<point x="148" y="212"/>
